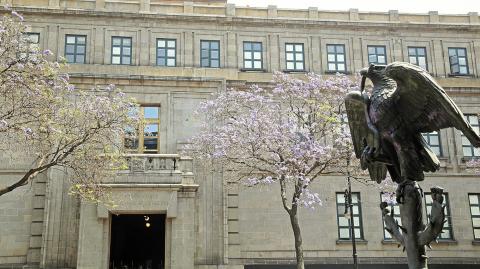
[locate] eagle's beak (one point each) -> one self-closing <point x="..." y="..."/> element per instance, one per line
<point x="363" y="72"/>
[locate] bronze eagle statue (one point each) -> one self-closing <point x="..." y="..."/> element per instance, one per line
<point x="387" y="125"/>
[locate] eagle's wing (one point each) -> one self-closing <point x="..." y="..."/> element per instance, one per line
<point x="425" y="105"/>
<point x="356" y="107"/>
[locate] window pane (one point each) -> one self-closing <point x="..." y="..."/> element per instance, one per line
<point x="476" y="222"/>
<point x="80" y="39"/>
<point x="215" y="63"/>
<point x="247" y="55"/>
<point x="116" y="41"/>
<point x="331" y="67"/>
<point x="257" y="64"/>
<point x="257" y="46"/>
<point x="247" y="46"/>
<point x="161" y="43"/>
<point x="205" y="63"/>
<point x="358" y="233"/>
<point x="161" y="52"/>
<point x="331" y="57"/>
<point x="150" y="143"/>
<point x="127" y="51"/>
<point x="248" y="64"/>
<point x="340" y="198"/>
<point x="290" y="66"/>
<point x="476" y="233"/>
<point x="115" y="60"/>
<point x="171" y="62"/>
<point x="126" y="60"/>
<point x="127" y="41"/>
<point x="161" y="61"/>
<point x="151" y="130"/>
<point x="289" y="47"/>
<point x="214" y="54"/>
<point x="413" y="60"/>
<point x="341" y="67"/>
<point x="340" y="49"/>
<point x="331" y="49"/>
<point x="70" y="49"/>
<point x="171" y="53"/>
<point x="171" y="43"/>
<point x="372" y="58"/>
<point x="70" y="58"/>
<point x="214" y="45"/>
<point x="340" y="57"/>
<point x="71" y="39"/>
<point x="299" y="66"/>
<point x="412" y="51"/>
<point x="150" y="112"/>
<point x="463" y="70"/>
<point x="116" y="50"/>
<point x="81" y="49"/>
<point x="381" y="50"/>
<point x="257" y="55"/>
<point x="461" y="52"/>
<point x="381" y="59"/>
<point x="342" y="221"/>
<point x="289" y="56"/>
<point x="299" y="56"/>
<point x="344" y="233"/>
<point x="473" y="199"/>
<point x="205" y="45"/>
<point x="80" y="59"/>
<point x="371" y="50"/>
<point x="298" y="48"/>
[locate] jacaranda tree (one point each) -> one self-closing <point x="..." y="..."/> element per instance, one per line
<point x="289" y="134"/>
<point x="47" y="122"/>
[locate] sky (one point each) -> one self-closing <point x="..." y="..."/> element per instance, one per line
<point x="410" y="6"/>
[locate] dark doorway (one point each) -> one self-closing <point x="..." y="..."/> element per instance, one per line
<point x="137" y="242"/>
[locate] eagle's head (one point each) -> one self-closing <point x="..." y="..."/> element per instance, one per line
<point x="375" y="72"/>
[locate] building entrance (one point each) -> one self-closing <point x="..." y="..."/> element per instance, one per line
<point x="137" y="241"/>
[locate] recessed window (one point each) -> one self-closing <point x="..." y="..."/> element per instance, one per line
<point x="474" y="200"/>
<point x="344" y="220"/>
<point x="75" y="46"/>
<point x="147" y="141"/>
<point x="468" y="149"/>
<point x="294" y="55"/>
<point x="166" y="52"/>
<point x="121" y="50"/>
<point x="377" y="55"/>
<point x="458" y="61"/>
<point x="210" y="53"/>
<point x="418" y="56"/>
<point x="433" y="140"/>
<point x="336" y="58"/>
<point x="447" y="232"/>
<point x="252" y="55"/>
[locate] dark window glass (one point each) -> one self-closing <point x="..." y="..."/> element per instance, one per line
<point x="344" y="220"/>
<point x="166" y="52"/>
<point x="377" y="55"/>
<point x="447" y="232"/>
<point x="474" y="200"/>
<point x="418" y="56"/>
<point x="433" y="140"/>
<point x="210" y="53"/>
<point x="75" y="47"/>
<point x="458" y="61"/>
<point x="252" y="55"/>
<point x="336" y="58"/>
<point x="294" y="54"/>
<point x="468" y="149"/>
<point x="121" y="50"/>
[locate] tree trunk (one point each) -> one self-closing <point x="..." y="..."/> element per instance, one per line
<point x="298" y="239"/>
<point x="412" y="221"/>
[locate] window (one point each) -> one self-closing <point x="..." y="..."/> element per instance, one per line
<point x="468" y="149"/>
<point x="34" y="38"/>
<point x="210" y="53"/>
<point x="344" y="222"/>
<point x="377" y="55"/>
<point x="474" y="200"/>
<point x="252" y="55"/>
<point x="447" y="232"/>
<point x="148" y="141"/>
<point x="294" y="56"/>
<point x="336" y="58"/>
<point x="121" y="50"/>
<point x="166" y="52"/>
<point x="75" y="48"/>
<point x="418" y="56"/>
<point x="396" y="215"/>
<point x="458" y="61"/>
<point x="433" y="140"/>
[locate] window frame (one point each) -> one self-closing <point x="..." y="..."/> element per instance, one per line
<point x="294" y="61"/>
<point x="341" y="214"/>
<point x="336" y="62"/>
<point x="474" y="216"/>
<point x="448" y="215"/>
<point x="428" y="136"/>
<point x="166" y="48"/>
<point x="75" y="45"/>
<point x="30" y="34"/>
<point x="252" y="51"/>
<point x="469" y="145"/>
<point x="458" y="62"/>
<point x="140" y="137"/>
<point x="376" y="47"/>
<point x="121" y="46"/>
<point x="209" y="58"/>
<point x="417" y="56"/>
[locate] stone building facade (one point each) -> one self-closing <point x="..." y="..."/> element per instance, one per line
<point x="172" y="55"/>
